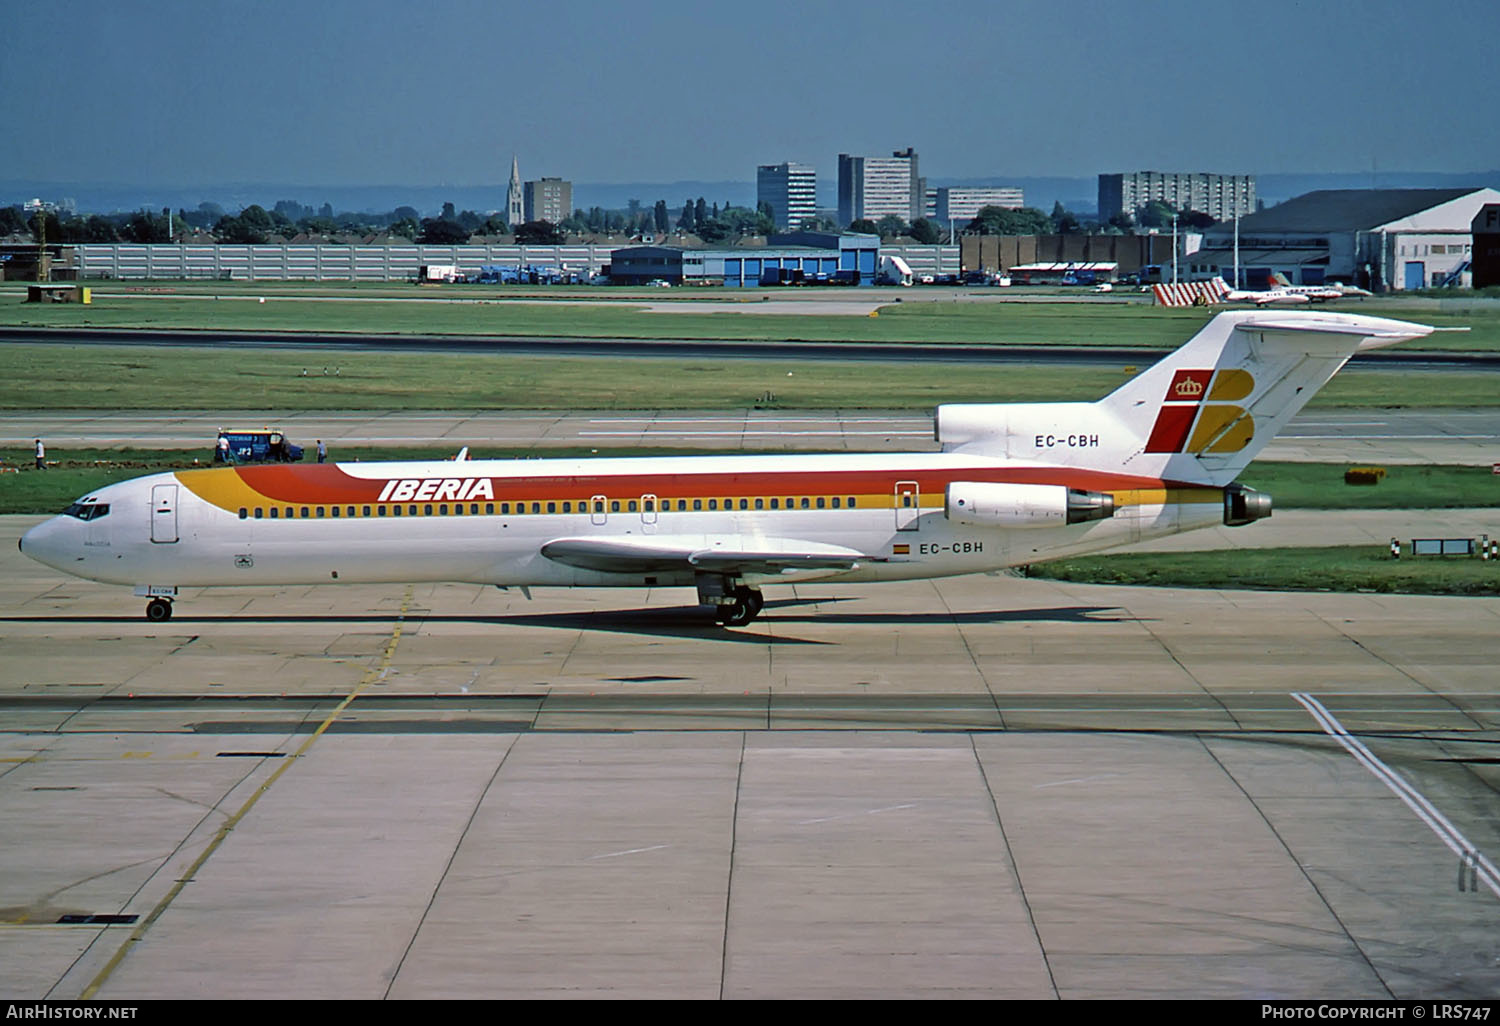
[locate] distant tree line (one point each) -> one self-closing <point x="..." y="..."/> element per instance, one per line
<point x="288" y="218"/>
<point x="1031" y="221"/>
<point x="923" y="229"/>
<point x="254" y="224"/>
<point x="140" y="226"/>
<point x="710" y="222"/>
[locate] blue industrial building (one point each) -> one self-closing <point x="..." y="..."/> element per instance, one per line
<point x="795" y="256"/>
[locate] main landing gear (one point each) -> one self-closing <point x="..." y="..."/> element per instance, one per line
<point x="743" y="606"/>
<point x="734" y="604"/>
<point x="159" y="610"/>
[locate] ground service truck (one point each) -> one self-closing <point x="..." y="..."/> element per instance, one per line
<point x="893" y="271"/>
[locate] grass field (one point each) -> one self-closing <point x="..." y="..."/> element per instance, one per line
<point x="1321" y="486"/>
<point x="41" y="377"/>
<point x="138" y="377"/>
<point x="909" y="316"/>
<point x="45" y="377"/>
<point x="1354" y="568"/>
<point x="1005" y="323"/>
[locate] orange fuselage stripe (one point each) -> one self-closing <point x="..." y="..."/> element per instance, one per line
<point x="233" y="488"/>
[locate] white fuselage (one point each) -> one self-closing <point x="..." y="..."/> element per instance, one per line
<point x="486" y="521"/>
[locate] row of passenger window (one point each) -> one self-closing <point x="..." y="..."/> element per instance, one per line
<point x="649" y="505"/>
<point x="317" y="512"/>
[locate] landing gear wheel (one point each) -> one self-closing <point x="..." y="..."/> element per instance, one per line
<point x="158" y="610"/>
<point x="746" y="606"/>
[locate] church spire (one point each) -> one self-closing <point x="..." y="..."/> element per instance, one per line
<point x="514" y="215"/>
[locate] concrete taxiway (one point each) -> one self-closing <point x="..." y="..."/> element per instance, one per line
<point x="1463" y="437"/>
<point x="982" y="787"/>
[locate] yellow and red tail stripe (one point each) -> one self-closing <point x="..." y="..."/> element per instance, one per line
<point x="1198" y="413"/>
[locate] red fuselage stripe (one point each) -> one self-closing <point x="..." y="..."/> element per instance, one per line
<point x="329" y="484"/>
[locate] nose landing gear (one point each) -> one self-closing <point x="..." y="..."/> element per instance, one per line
<point x="159" y="600"/>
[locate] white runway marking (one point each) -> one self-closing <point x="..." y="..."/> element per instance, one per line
<point x="1370" y="438"/>
<point x="851" y="815"/>
<point x="1077" y="780"/>
<point x="631" y="851"/>
<point x="1438" y="823"/>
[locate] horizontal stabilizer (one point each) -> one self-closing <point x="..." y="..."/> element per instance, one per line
<point x="1375" y="331"/>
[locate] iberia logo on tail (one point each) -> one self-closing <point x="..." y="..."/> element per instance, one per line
<point x="1198" y="413"/>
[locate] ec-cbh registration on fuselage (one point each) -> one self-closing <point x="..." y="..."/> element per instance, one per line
<point x="1014" y="484"/>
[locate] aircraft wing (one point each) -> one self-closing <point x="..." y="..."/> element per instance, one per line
<point x="665" y="554"/>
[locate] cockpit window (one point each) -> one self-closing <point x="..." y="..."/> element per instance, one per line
<point x="87" y="510"/>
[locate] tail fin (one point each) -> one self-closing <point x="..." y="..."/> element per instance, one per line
<point x="1200" y="415"/>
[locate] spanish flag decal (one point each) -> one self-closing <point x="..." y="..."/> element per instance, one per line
<point x="900" y="550"/>
<point x="1221" y="427"/>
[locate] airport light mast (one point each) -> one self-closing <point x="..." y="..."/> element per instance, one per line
<point x="1237" y="252"/>
<point x="43" y="265"/>
<point x="1174" y="247"/>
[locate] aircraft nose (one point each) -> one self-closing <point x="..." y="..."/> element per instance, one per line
<point x="44" y="543"/>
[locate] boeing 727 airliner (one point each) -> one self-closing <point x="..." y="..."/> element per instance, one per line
<point x="1014" y="484"/>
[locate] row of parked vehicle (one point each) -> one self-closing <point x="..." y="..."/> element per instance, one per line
<point x="504" y="274"/>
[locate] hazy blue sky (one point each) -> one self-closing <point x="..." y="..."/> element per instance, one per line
<point x="430" y="92"/>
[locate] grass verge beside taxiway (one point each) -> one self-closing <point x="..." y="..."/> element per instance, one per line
<point x="62" y="377"/>
<point x="1342" y="568"/>
<point x="908" y="315"/>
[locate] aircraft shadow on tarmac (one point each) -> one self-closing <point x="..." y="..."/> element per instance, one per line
<point x="1054" y="614"/>
<point x="659" y="621"/>
<point x="682" y="622"/>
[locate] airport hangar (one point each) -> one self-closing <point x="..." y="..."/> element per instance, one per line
<point x="1380" y="239"/>
<point x="812" y="253"/>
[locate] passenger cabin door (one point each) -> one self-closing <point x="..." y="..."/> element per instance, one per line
<point x="596" y="509"/>
<point x="908" y="500"/>
<point x="648" y="514"/>
<point x="164" y="513"/>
